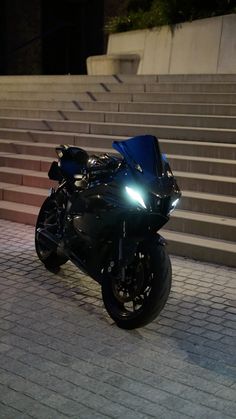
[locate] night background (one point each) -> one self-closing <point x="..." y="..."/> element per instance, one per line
<point x="51" y="36"/>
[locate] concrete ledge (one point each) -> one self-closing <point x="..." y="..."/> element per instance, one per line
<point x="204" y="46"/>
<point x="113" y="64"/>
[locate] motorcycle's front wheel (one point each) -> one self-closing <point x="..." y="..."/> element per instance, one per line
<point x="49" y="219"/>
<point x="136" y="299"/>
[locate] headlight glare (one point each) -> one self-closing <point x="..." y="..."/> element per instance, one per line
<point x="135" y="196"/>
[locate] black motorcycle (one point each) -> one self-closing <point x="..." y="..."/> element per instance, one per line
<point x="104" y="216"/>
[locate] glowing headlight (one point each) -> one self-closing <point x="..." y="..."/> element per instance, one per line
<point x="135" y="196"/>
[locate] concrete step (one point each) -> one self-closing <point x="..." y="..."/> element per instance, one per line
<point x="205" y="225"/>
<point x="26" y="177"/>
<point x="208" y="203"/>
<point x="188" y="87"/>
<point x="32" y="113"/>
<point x="62" y="96"/>
<point x="193" y="201"/>
<point x="119" y="129"/>
<point x="196" y="78"/>
<point x="105" y="86"/>
<point x="149" y="107"/>
<point x="49" y="104"/>
<point x="49" y="140"/>
<point x="56" y="137"/>
<point x="75" y="115"/>
<point x="123" y="117"/>
<point x="71" y="79"/>
<point x="198" y="182"/>
<point x="207" y="165"/>
<point x="178" y="163"/>
<point x="170" y="97"/>
<point x="22" y="194"/>
<point x="37" y="136"/>
<point x="13" y="168"/>
<point x="20" y="213"/>
<point x="42" y="149"/>
<point x="200" y="248"/>
<point x="175" y="108"/>
<point x="198" y="148"/>
<point x="38" y="163"/>
<point x="183" y="244"/>
<point x="186" y="120"/>
<point x="74" y="88"/>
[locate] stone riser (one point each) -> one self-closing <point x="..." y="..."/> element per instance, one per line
<point x="206" y="184"/>
<point x="14" y="214"/>
<point x="123" y="78"/>
<point x="211" y="98"/>
<point x="25" y="178"/>
<point x="198" y="202"/>
<point x="184" y="148"/>
<point x="206" y="225"/>
<point x="174" y="108"/>
<point x="119" y="117"/>
<point x="21" y="162"/>
<point x="190" y="87"/>
<point x="197" y="78"/>
<point x="191" y="165"/>
<point x="195" y="247"/>
<point x="200" y="149"/>
<point x="178" y="163"/>
<point x="119" y="87"/>
<point x="179" y="244"/>
<point x="112" y="129"/>
<point x="220" y="205"/>
<point x="74" y="88"/>
<point x="22" y="194"/>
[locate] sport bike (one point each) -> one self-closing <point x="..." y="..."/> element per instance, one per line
<point x="104" y="216"/>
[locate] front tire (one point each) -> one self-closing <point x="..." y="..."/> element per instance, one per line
<point x="49" y="218"/>
<point x="138" y="299"/>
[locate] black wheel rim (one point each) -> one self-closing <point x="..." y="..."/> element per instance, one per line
<point x="49" y="222"/>
<point x="131" y="294"/>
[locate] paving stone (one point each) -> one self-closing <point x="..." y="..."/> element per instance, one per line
<point x="61" y="354"/>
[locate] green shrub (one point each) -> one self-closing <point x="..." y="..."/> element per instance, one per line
<point x="150" y="13"/>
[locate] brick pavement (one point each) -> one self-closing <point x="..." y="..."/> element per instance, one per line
<point x="62" y="356"/>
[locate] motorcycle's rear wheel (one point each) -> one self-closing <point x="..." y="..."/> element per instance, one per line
<point x="137" y="299"/>
<point x="48" y="218"/>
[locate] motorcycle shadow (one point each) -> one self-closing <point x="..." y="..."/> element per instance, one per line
<point x="70" y="284"/>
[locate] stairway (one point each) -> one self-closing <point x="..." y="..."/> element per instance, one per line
<point x="194" y="116"/>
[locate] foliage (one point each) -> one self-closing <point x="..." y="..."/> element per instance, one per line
<point x="142" y="14"/>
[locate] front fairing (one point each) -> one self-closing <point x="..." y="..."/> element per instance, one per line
<point x="100" y="208"/>
<point x="142" y="155"/>
<point x="149" y="172"/>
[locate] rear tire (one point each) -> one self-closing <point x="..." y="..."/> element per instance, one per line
<point x="49" y="218"/>
<point x="151" y="275"/>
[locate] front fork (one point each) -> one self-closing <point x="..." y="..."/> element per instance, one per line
<point x="121" y="250"/>
<point x="128" y="246"/>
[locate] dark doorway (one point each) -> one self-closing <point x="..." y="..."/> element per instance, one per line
<point x="72" y="30"/>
